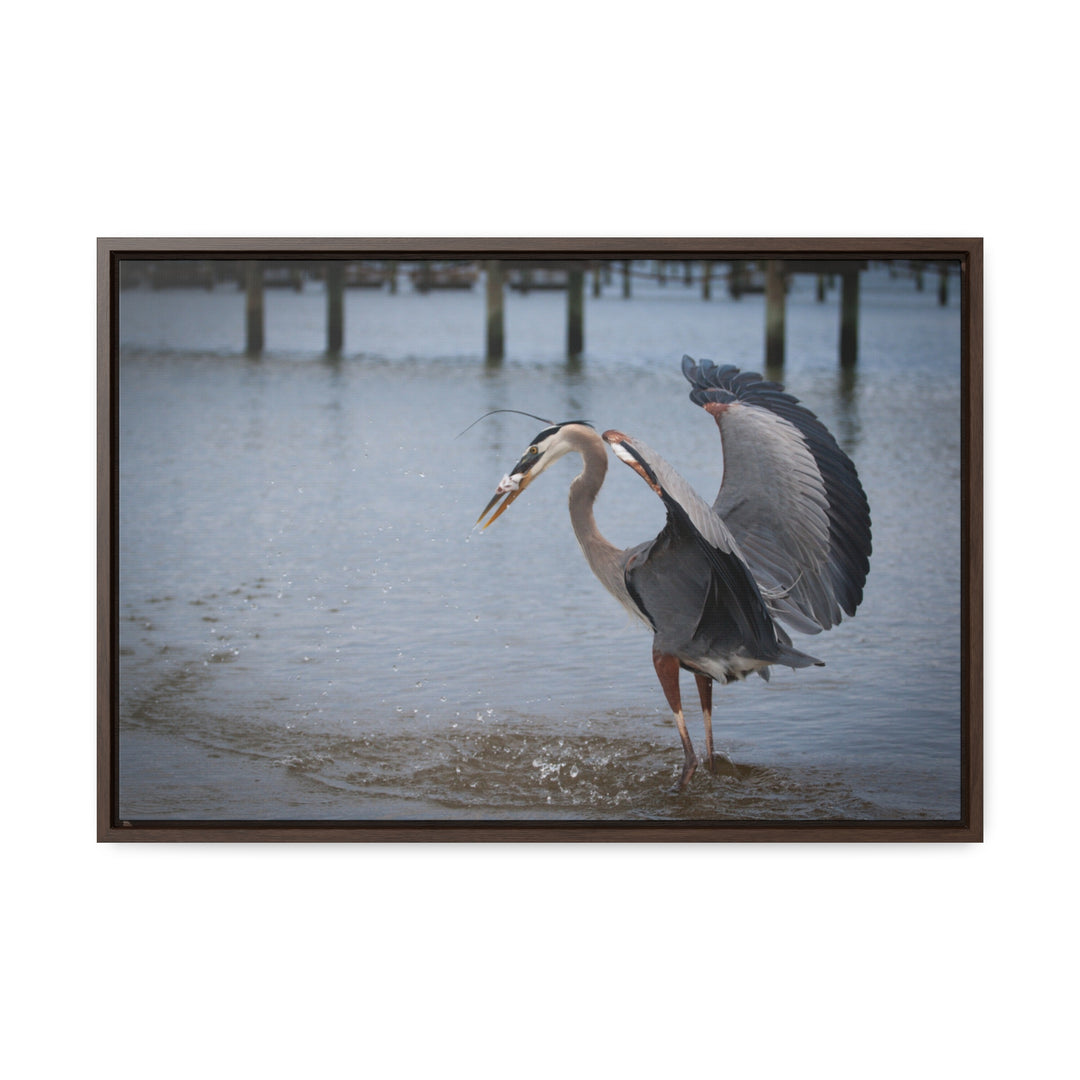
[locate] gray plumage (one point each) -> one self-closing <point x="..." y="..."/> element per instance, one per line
<point x="787" y="538"/>
<point x="790" y="496"/>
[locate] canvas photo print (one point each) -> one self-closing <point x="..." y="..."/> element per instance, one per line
<point x="718" y="576"/>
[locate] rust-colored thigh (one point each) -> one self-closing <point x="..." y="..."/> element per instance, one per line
<point x="667" y="670"/>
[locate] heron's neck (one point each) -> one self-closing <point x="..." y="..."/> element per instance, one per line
<point x="599" y="552"/>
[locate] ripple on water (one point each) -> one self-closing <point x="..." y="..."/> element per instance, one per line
<point x="523" y="773"/>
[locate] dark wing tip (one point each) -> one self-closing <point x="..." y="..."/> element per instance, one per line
<point x="724" y="383"/>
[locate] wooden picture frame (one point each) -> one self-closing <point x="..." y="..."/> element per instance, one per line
<point x="819" y="256"/>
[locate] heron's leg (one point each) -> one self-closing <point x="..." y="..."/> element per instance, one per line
<point x="667" y="670"/>
<point x="718" y="764"/>
<point x="704" y="689"/>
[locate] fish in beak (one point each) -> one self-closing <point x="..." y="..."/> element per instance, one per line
<point x="520" y="476"/>
<point x="550" y="445"/>
<point x="511" y="485"/>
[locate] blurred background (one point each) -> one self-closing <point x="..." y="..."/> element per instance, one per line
<point x="311" y="629"/>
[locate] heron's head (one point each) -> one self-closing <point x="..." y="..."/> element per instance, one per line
<point x="547" y="447"/>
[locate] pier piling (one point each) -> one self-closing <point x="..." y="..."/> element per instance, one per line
<point x="335" y="307"/>
<point x="775" y="303"/>
<point x="575" y="312"/>
<point x="495" y="323"/>
<point x="253" y="281"/>
<point x="736" y="279"/>
<point x="626" y="280"/>
<point x="849" y="318"/>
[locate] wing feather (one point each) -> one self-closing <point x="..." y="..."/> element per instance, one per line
<point x="791" y="499"/>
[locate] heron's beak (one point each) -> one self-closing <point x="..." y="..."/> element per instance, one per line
<point x="512" y="485"/>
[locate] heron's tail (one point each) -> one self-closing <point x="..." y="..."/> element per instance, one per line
<point x="793" y="658"/>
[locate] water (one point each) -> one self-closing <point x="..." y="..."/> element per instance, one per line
<point x="309" y="629"/>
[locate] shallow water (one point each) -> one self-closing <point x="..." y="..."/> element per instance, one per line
<point x="309" y="627"/>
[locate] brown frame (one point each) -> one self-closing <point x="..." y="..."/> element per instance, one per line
<point x="969" y="253"/>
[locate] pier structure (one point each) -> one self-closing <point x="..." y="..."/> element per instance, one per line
<point x="768" y="277"/>
<point x="572" y="274"/>
<point x="776" y="273"/>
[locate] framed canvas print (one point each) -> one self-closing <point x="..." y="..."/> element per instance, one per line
<point x="739" y="601"/>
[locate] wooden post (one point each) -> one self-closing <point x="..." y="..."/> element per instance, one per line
<point x="596" y="282"/>
<point x="335" y="307"/>
<point x="253" y="280"/>
<point x="849" y="318"/>
<point x="575" y="313"/>
<point x="821" y="288"/>
<point x="943" y="285"/>
<point x="688" y="273"/>
<point x="706" y="280"/>
<point x="736" y="278"/>
<point x="661" y="271"/>
<point x="493" y="272"/>
<point x="918" y="268"/>
<point x="774" y="314"/>
<point x="626" y="280"/>
<point x="391" y="276"/>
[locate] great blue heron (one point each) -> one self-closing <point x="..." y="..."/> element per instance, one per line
<point x="788" y="537"/>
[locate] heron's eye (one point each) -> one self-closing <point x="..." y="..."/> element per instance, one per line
<point x="534" y="450"/>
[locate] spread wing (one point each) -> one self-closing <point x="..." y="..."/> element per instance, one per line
<point x="790" y="498"/>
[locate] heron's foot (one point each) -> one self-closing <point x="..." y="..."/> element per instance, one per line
<point x="689" y="766"/>
<point x="720" y="764"/>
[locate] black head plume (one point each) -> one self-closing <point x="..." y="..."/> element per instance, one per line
<point x="494" y="411"/>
